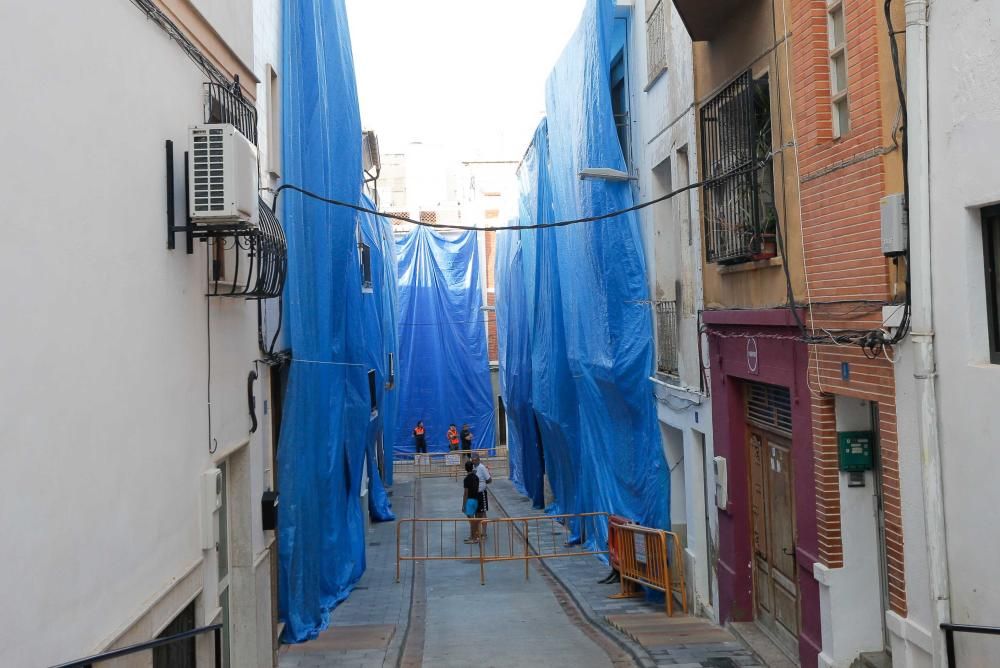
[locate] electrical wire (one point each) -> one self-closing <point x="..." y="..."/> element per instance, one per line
<point x="501" y="228"/>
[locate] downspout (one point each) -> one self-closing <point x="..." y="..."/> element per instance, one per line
<point x="922" y="314"/>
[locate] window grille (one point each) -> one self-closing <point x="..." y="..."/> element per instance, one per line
<point x="736" y="158"/>
<point x="666" y="338"/>
<point x="656" y="40"/>
<point x="428" y="217"/>
<point x="227" y="105"/>
<point x="769" y="406"/>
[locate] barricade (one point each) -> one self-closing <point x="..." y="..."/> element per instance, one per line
<point x="506" y="539"/>
<point x="451" y="464"/>
<point x="649" y="558"/>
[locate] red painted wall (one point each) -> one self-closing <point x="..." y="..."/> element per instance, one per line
<point x="781" y="360"/>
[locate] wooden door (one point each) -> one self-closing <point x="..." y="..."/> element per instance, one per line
<point x="776" y="594"/>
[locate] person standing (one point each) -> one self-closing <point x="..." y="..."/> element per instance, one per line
<point x="466" y="438"/>
<point x="420" y="439"/>
<point x="483" y="474"/>
<point x="452" y="438"/>
<point x="470" y="502"/>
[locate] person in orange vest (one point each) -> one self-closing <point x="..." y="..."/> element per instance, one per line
<point x="420" y="438"/>
<point x="452" y="437"/>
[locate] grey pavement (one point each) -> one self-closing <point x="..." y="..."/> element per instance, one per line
<point x="376" y="600"/>
<point x="508" y="622"/>
<point x="580" y="576"/>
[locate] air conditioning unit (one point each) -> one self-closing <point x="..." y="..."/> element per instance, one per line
<point x="222" y="178"/>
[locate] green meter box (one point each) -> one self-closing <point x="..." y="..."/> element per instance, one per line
<point x="855" y="450"/>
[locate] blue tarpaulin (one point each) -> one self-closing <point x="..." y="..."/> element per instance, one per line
<point x="574" y="317"/>
<point x="338" y="332"/>
<point x="444" y="373"/>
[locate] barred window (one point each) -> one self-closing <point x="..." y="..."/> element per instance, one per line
<point x="739" y="212"/>
<point x="656" y="39"/>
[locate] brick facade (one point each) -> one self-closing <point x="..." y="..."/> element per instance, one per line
<point x="490" y="274"/>
<point x="842" y="180"/>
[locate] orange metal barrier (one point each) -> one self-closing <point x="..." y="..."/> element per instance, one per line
<point x="648" y="557"/>
<point x="506" y="539"/>
<point x="450" y="464"/>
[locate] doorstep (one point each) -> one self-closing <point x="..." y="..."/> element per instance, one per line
<point x="763" y="645"/>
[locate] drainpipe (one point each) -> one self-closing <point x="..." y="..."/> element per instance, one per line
<point x="922" y="315"/>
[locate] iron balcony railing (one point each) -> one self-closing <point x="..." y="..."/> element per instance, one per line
<point x="666" y="338"/>
<point x="214" y="629"/>
<point x="730" y="138"/>
<point x="227" y="105"/>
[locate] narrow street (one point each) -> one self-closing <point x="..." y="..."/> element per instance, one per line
<point x="440" y="615"/>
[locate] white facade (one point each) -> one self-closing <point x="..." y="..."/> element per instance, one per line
<point x="107" y="340"/>
<point x="963" y="93"/>
<point x="664" y="158"/>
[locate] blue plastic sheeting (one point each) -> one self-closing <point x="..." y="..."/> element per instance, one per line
<point x="444" y="373"/>
<point x="573" y="308"/>
<point x="337" y="332"/>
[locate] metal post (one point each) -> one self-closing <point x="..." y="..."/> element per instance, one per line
<point x="526" y="550"/>
<point x="949" y="641"/>
<point x="218" y="647"/>
<point x="482" y="564"/>
<point x="399" y="526"/>
<point x="170" y="194"/>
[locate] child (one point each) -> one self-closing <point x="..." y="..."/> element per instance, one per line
<point x="470" y="501"/>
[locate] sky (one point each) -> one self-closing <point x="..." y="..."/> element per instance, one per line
<point x="465" y="75"/>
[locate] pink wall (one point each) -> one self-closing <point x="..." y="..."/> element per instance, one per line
<point x="780" y="361"/>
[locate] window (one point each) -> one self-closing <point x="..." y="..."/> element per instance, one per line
<point x="656" y="39"/>
<point x="838" y="68"/>
<point x="666" y="338"/>
<point x="620" y="107"/>
<point x="273" y="124"/>
<point x="366" y="268"/>
<point x="739" y="211"/>
<point x="991" y="256"/>
<point x="372" y="397"/>
<point x="364" y="262"/>
<point x="180" y="654"/>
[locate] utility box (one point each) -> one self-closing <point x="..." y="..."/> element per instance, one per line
<point x="855" y="450"/>
<point x="895" y="226"/>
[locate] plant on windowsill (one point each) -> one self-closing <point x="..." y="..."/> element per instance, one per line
<point x="765" y="241"/>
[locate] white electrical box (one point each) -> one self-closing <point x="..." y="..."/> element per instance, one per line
<point x="895" y="227"/>
<point x="222" y="176"/>
<point x="721" y="482"/>
<point x="211" y="503"/>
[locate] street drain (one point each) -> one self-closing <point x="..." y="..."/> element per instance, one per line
<point x="374" y="544"/>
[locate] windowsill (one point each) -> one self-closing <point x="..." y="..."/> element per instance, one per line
<point x="749" y="266"/>
<point x="655" y="78"/>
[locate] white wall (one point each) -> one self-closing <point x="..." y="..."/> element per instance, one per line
<point x="105" y="360"/>
<point x="850" y="596"/>
<point x="964" y="134"/>
<point x="663" y="127"/>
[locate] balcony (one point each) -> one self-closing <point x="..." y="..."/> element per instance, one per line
<point x="739" y="213"/>
<point x="705" y="18"/>
<point x="666" y="338"/>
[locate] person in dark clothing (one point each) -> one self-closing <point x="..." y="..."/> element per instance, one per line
<point x="466" y="437"/>
<point x="420" y="438"/>
<point x="470" y="501"/>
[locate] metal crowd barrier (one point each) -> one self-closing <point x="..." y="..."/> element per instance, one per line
<point x="647" y="557"/>
<point x="451" y="464"/>
<point x="506" y="539"/>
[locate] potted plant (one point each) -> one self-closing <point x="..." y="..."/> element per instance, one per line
<point x="765" y="242"/>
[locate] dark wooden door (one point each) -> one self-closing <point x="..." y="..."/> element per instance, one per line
<point x="776" y="593"/>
